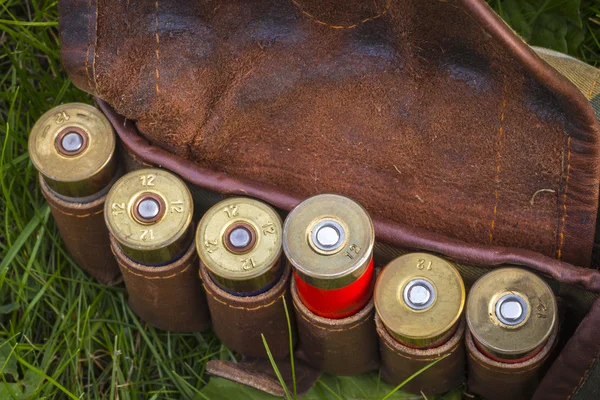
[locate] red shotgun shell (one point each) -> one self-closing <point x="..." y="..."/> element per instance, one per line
<point x="329" y="241"/>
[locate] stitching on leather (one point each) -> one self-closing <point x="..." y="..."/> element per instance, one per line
<point x="564" y="214"/>
<point x="587" y="371"/>
<point x="79" y="215"/>
<point x="157" y="51"/>
<point x="95" y="89"/>
<point x="499" y="157"/>
<point x="589" y="96"/>
<point x="567" y="177"/>
<point x="240" y="307"/>
<point x="129" y="270"/>
<point x="318" y="21"/>
<point x="334" y="330"/>
<point x="87" y="53"/>
<point x="422" y="359"/>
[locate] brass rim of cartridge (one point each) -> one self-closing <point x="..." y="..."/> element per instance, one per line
<point x="344" y="251"/>
<point x="430" y="317"/>
<point x="149" y="213"/>
<point x="511" y="313"/>
<point x="84" y="170"/>
<point x="254" y="262"/>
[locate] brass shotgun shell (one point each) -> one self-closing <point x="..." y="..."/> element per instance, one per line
<point x="329" y="241"/>
<point x="73" y="147"/>
<point x="239" y="242"/>
<point x="149" y="213"/>
<point x="511" y="313"/>
<point x="420" y="298"/>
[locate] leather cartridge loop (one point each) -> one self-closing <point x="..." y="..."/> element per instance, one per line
<point x="346" y="346"/>
<point x="239" y="321"/>
<point x="498" y="381"/>
<point x="399" y="362"/>
<point x="169" y="297"/>
<point x="82" y="228"/>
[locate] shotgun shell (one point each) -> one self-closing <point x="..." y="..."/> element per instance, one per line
<point x="329" y="241"/>
<point x="239" y="242"/>
<point x="511" y="313"/>
<point x="149" y="213"/>
<point x="419" y="299"/>
<point x="73" y="147"/>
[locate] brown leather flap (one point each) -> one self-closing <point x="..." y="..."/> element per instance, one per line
<point x="432" y="114"/>
<point x="398" y="235"/>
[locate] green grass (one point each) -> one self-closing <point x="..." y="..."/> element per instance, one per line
<point x="62" y="335"/>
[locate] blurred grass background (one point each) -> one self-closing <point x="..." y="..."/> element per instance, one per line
<point x="62" y="335"/>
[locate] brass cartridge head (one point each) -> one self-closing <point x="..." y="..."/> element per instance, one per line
<point x="420" y="298"/>
<point x="511" y="313"/>
<point x="73" y="147"/>
<point x="239" y="242"/>
<point x="329" y="240"/>
<point x="149" y="213"/>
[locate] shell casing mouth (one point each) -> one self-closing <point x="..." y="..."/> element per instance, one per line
<point x="73" y="146"/>
<point x="149" y="213"/>
<point x="329" y="241"/>
<point x="420" y="298"/>
<point x="239" y="242"/>
<point x="511" y="313"/>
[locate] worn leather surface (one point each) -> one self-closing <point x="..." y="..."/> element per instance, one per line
<point x="571" y="370"/>
<point x="390" y="234"/>
<point x="501" y="381"/>
<point x="169" y="297"/>
<point x="240" y="321"/>
<point x="346" y="346"/>
<point x="399" y="362"/>
<point x="82" y="228"/>
<point x="431" y="114"/>
<point x="258" y="373"/>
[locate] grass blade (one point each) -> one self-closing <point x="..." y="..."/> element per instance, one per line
<point x="275" y="368"/>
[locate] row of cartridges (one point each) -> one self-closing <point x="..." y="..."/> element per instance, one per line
<point x="241" y="268"/>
